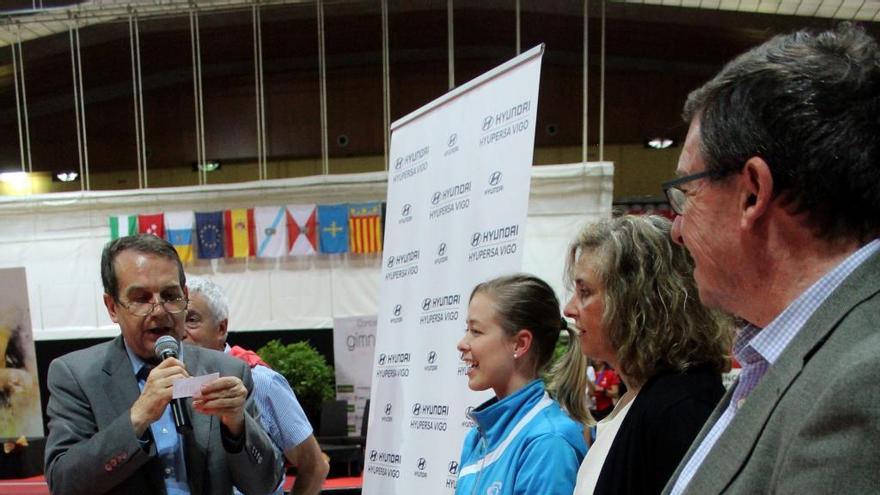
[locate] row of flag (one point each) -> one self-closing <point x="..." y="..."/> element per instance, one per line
<point x="263" y="231"/>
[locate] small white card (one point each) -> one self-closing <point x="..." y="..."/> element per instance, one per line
<point x="187" y="387"/>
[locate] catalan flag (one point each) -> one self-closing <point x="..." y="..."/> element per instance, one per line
<point x="239" y="224"/>
<point x="365" y="227"/>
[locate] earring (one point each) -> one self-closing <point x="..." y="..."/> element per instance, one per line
<point x="515" y="355"/>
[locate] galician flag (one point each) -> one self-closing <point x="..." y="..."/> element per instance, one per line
<point x="239" y="228"/>
<point x="179" y="229"/>
<point x="122" y="225"/>
<point x="271" y="230"/>
<point x="302" y="229"/>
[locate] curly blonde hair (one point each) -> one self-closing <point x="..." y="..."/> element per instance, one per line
<point x="652" y="315"/>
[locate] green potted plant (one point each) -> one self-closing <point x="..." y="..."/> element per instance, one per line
<point x="306" y="370"/>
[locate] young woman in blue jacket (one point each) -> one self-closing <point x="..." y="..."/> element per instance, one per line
<point x="529" y="438"/>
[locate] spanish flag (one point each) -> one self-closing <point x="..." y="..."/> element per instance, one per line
<point x="239" y="227"/>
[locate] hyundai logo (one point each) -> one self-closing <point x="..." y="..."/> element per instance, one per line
<point x="398" y="163"/>
<point x="426" y="304"/>
<point x="453" y="466"/>
<point x="442" y="249"/>
<point x="453" y="138"/>
<point x="467" y="412"/>
<point x="397" y="309"/>
<point x="422" y="463"/>
<point x="388" y="409"/>
<point x="390" y="261"/>
<point x="495" y="178"/>
<point x="436" y="198"/>
<point x="406" y="209"/>
<point x="487" y="123"/>
<point x="417" y="408"/>
<point x="382" y="359"/>
<point x="373" y="455"/>
<point x="475" y="240"/>
<point x="432" y="357"/>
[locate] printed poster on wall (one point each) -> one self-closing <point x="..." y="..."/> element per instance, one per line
<point x="20" y="414"/>
<point x="458" y="190"/>
<point x="354" y="343"/>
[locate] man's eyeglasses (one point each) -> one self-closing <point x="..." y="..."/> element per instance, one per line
<point x="676" y="196"/>
<point x="172" y="306"/>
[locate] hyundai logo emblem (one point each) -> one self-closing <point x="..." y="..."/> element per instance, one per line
<point x="397" y="310"/>
<point x="436" y="198"/>
<point x="406" y="208"/>
<point x="398" y="163"/>
<point x="453" y="467"/>
<point x="487" y="123"/>
<point x="495" y="178"/>
<point x="390" y="261"/>
<point x="422" y="463"/>
<point x="373" y="455"/>
<point x="432" y="356"/>
<point x="442" y="249"/>
<point x="382" y="359"/>
<point x="417" y="408"/>
<point x="388" y="409"/>
<point x="453" y="138"/>
<point x="426" y="304"/>
<point x="475" y="240"/>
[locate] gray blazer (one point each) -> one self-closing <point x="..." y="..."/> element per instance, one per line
<point x="813" y="423"/>
<point x="92" y="447"/>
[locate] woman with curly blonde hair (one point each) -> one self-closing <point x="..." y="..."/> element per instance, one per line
<point x="635" y="306"/>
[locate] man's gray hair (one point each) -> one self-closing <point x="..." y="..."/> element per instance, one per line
<point x="213" y="294"/>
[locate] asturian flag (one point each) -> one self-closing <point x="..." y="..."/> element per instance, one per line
<point x="122" y="225"/>
<point x="239" y="224"/>
<point x="178" y="228"/>
<point x="365" y="227"/>
<point x="209" y="233"/>
<point x="302" y="231"/>
<point x="333" y="225"/>
<point x="152" y="224"/>
<point x="271" y="230"/>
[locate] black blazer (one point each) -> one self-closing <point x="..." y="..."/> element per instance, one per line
<point x="664" y="419"/>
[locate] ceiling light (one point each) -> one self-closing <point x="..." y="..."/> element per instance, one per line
<point x="66" y="176"/>
<point x="659" y="143"/>
<point x="206" y="167"/>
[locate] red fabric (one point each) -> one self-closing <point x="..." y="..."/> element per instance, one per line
<point x="606" y="379"/>
<point x="249" y="357"/>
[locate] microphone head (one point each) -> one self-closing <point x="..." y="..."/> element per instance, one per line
<point x="166" y="346"/>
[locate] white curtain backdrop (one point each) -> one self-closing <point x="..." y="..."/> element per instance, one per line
<point x="58" y="240"/>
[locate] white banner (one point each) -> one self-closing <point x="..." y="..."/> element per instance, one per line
<point x="354" y="343"/>
<point x="458" y="194"/>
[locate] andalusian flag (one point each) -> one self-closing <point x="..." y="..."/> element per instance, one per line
<point x="239" y="226"/>
<point x="179" y="229"/>
<point x="365" y="227"/>
<point x="122" y="225"/>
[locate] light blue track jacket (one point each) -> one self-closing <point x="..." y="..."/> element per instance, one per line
<point x="522" y="444"/>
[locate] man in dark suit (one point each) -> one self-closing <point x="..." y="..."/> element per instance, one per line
<point x="779" y="204"/>
<point x="110" y="425"/>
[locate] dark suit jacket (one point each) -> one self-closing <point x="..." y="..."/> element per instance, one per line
<point x="812" y="425"/>
<point x="92" y="447"/>
<point x="663" y="420"/>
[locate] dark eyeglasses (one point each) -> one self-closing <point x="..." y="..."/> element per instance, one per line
<point x="676" y="196"/>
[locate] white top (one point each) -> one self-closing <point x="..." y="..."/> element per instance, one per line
<point x="606" y="430"/>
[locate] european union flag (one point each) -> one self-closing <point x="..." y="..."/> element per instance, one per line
<point x="333" y="227"/>
<point x="209" y="232"/>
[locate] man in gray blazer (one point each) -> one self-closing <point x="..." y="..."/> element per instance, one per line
<point x="110" y="423"/>
<point x="778" y="202"/>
